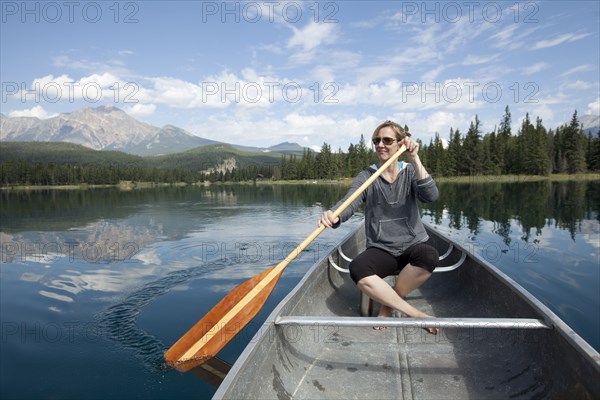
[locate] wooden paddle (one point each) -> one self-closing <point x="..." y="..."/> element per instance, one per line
<point x="209" y="335"/>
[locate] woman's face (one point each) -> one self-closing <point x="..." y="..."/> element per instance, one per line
<point x="384" y="151"/>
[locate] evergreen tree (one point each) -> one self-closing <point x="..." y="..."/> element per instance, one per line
<point x="501" y="146"/>
<point x="363" y="154"/>
<point x="473" y="149"/>
<point x="558" y="154"/>
<point x="489" y="166"/>
<point x="324" y="163"/>
<point x="436" y="157"/>
<point x="352" y="161"/>
<point x="541" y="148"/>
<point x="454" y="158"/>
<point x="574" y="145"/>
<point x="533" y="142"/>
<point x="593" y="158"/>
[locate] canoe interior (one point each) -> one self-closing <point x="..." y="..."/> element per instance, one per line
<point x="326" y="361"/>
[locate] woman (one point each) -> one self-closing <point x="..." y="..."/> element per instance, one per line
<point x="395" y="233"/>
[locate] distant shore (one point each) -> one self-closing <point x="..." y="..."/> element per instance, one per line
<point x="590" y="176"/>
<point x="128" y="185"/>
<point x="124" y="185"/>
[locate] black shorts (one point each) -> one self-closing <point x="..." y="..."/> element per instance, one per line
<point x="374" y="261"/>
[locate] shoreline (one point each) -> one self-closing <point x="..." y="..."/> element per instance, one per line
<point x="474" y="179"/>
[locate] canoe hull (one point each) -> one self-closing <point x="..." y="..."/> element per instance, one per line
<point x="328" y="360"/>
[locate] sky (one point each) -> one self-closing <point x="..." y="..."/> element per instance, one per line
<point x="259" y="73"/>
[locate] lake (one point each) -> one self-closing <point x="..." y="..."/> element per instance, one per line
<point x="96" y="284"/>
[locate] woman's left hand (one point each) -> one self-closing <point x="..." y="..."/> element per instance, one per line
<point x="412" y="147"/>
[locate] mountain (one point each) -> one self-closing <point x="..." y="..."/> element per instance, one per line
<point x="110" y="128"/>
<point x="287" y="148"/>
<point x="168" y="139"/>
<point x="591" y="123"/>
<point x="101" y="128"/>
<point x="282" y="148"/>
<point x="98" y="128"/>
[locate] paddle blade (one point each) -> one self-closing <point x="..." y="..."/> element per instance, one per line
<point x="212" y="371"/>
<point x="209" y="335"/>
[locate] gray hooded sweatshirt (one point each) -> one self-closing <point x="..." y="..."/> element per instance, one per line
<point x="392" y="219"/>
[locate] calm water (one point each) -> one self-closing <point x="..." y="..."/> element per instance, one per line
<point x="96" y="284"/>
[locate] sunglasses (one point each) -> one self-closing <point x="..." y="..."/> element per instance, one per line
<point x="386" y="140"/>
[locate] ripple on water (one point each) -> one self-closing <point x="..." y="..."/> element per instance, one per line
<point x="118" y="321"/>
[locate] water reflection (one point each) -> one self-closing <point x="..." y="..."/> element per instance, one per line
<point x="572" y="206"/>
<point x="109" y="241"/>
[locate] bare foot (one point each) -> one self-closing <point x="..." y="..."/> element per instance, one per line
<point x="433" y="331"/>
<point x="384" y="312"/>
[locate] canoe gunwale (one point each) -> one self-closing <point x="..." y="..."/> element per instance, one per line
<point x="446" y="323"/>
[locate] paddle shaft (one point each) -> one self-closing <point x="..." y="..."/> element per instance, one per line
<point x="206" y="338"/>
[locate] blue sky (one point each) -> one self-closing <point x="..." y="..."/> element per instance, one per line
<point x="263" y="72"/>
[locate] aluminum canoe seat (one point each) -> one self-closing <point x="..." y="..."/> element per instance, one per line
<point x="365" y="302"/>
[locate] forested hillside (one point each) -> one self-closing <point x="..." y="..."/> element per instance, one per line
<point x="59" y="163"/>
<point x="532" y="150"/>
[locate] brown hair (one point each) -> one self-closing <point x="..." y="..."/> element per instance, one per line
<point x="400" y="132"/>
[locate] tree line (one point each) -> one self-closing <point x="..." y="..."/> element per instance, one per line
<point x="532" y="150"/>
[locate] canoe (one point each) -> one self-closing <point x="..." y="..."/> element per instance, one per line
<point x="496" y="340"/>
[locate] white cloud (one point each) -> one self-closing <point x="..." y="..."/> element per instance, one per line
<point x="312" y="36"/>
<point x="475" y="60"/>
<point x="535" y="68"/>
<point x="441" y="122"/>
<point x="594" y="107"/>
<point x="431" y="75"/>
<point x="171" y="91"/>
<point x="113" y="66"/>
<point x="564" y="38"/>
<point x="451" y="94"/>
<point x="222" y="90"/>
<point x="105" y="80"/>
<point x="306" y="42"/>
<point x="37" y="112"/>
<point x="577" y="85"/>
<point x="511" y="38"/>
<point x="140" y="110"/>
<point x="579" y="69"/>
<point x="92" y="88"/>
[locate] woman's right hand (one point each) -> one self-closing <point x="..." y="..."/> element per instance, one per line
<point x="327" y="219"/>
